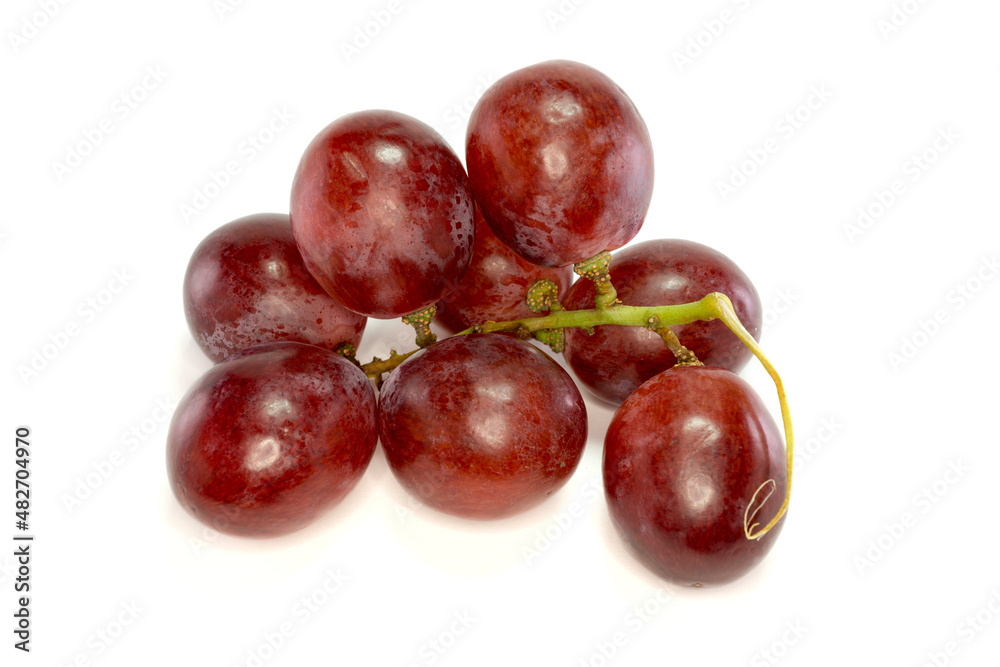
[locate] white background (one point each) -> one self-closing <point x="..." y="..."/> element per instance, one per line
<point x="887" y="552"/>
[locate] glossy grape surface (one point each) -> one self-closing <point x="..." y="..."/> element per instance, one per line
<point x="615" y="360"/>
<point x="382" y="213"/>
<point x="482" y="426"/>
<point x="683" y="457"/>
<point x="495" y="284"/>
<point x="269" y="439"/>
<point x="560" y="162"/>
<point x="246" y="285"/>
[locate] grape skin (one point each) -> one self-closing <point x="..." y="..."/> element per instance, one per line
<point x="615" y="360"/>
<point x="266" y="441"/>
<point x="560" y="161"/>
<point x="683" y="457"/>
<point x="246" y="285"/>
<point x="382" y="213"/>
<point x="495" y="285"/>
<point x="482" y="425"/>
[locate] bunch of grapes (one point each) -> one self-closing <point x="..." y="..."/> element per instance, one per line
<point x="386" y="222"/>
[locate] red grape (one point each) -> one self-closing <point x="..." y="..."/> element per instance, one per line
<point x="482" y="426"/>
<point x="382" y="213"/>
<point x="683" y="458"/>
<point x="495" y="285"/>
<point x="246" y="284"/>
<point x="267" y="440"/>
<point x="560" y="162"/>
<point x="615" y="360"/>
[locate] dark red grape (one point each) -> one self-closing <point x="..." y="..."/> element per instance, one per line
<point x="683" y="458"/>
<point x="269" y="439"/>
<point x="382" y="213"/>
<point x="560" y="162"/>
<point x="615" y="360"/>
<point x="482" y="426"/>
<point x="495" y="285"/>
<point x="246" y="284"/>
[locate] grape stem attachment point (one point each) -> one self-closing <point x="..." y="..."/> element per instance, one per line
<point x="685" y="357"/>
<point x="420" y="320"/>
<point x="543" y="297"/>
<point x="595" y="270"/>
<point x="348" y="351"/>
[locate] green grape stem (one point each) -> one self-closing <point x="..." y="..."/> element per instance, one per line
<point x="640" y="316"/>
<point x="421" y="322"/>
<point x="684" y="356"/>
<point x="722" y="308"/>
<point x="713" y="306"/>
<point x="620" y="314"/>
<point x="376" y="368"/>
<point x="596" y="269"/>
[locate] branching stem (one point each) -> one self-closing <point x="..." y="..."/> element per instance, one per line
<point x="659" y="318"/>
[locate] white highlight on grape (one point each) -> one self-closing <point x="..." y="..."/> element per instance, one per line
<point x="699" y="492"/>
<point x="275" y="269"/>
<point x="389" y="154"/>
<point x="263" y="454"/>
<point x="492" y="431"/>
<point x="555" y="161"/>
<point x="498" y="392"/>
<point x="562" y="108"/>
<point x="279" y="407"/>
